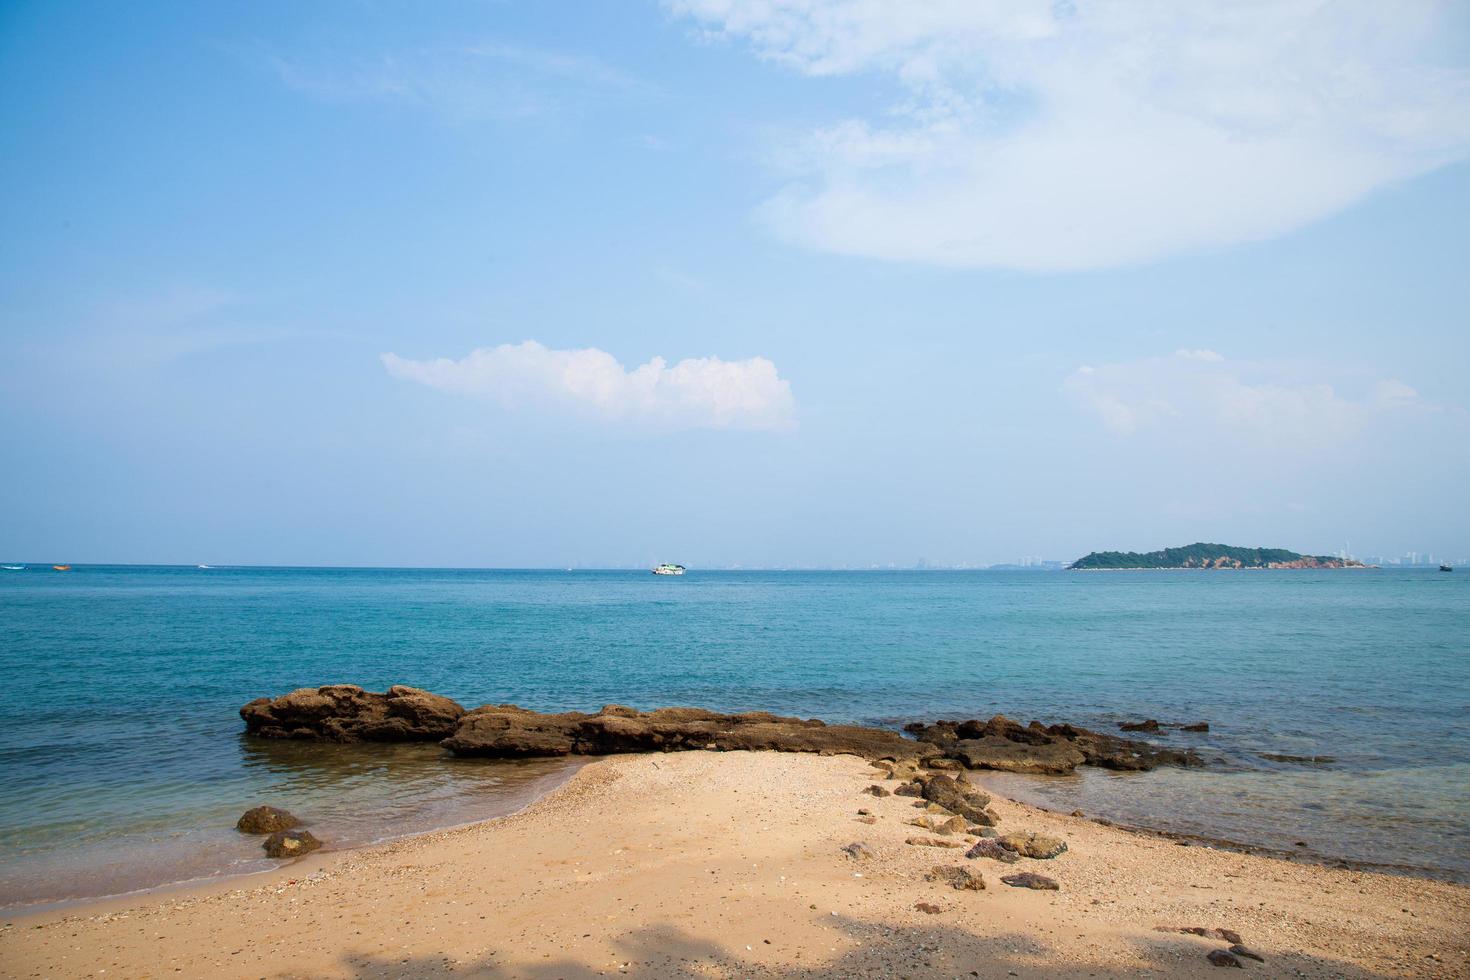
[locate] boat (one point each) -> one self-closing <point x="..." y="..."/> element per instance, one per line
<point x="13" y="568"/>
<point x="1446" y="568"/>
<point x="62" y="568"/>
<point x="667" y="569"/>
<point x="201" y="566"/>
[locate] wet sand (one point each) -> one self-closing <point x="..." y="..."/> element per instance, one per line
<point x="731" y="864"/>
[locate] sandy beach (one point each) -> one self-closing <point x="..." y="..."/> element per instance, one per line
<point x="732" y="864"/>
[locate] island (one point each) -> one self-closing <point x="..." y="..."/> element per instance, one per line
<point x="1201" y="555"/>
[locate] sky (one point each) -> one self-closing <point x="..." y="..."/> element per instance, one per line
<point x="731" y="282"/>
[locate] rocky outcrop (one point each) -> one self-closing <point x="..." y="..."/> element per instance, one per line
<point x="507" y="732"/>
<point x="347" y="713"/>
<point x="1009" y="746"/>
<point x="265" y="820"/>
<point x="1029" y="879"/>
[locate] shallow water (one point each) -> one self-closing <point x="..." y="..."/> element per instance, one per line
<point x="122" y="763"/>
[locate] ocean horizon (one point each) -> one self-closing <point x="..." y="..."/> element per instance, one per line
<point x="123" y="762"/>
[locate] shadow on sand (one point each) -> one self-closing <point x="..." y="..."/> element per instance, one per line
<point x="938" y="951"/>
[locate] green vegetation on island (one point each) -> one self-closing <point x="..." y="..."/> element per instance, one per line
<point x="1201" y="555"/>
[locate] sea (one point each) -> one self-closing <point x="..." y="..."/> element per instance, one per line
<point x="1338" y="701"/>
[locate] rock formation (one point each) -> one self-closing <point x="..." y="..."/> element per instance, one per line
<point x="265" y="820"/>
<point x="1009" y="746"/>
<point x="347" y="713"/>
<point x="506" y="731"/>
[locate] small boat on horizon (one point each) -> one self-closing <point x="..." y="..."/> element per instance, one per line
<point x="62" y="568"/>
<point x="201" y="566"/>
<point x="668" y="569"/>
<point x="1446" y="568"/>
<point x="13" y="568"/>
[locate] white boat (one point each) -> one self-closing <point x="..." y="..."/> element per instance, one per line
<point x="13" y="568"/>
<point x="667" y="569"/>
<point x="202" y="566"/>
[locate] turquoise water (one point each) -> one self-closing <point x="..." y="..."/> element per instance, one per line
<point x="120" y="746"/>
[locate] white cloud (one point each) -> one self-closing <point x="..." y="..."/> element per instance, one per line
<point x="1203" y="395"/>
<point x="697" y="392"/>
<point x="1092" y="134"/>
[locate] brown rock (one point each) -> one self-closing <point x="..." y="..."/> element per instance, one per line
<point x="290" y="843"/>
<point x="265" y="820"/>
<point x="928" y="908"/>
<point x="1219" y="957"/>
<point x="347" y="713"/>
<point x="994" y="752"/>
<point x="1249" y="954"/>
<point x="858" y="851"/>
<point x="876" y="790"/>
<point x="933" y="842"/>
<point x="1199" y="726"/>
<point x="1006" y="745"/>
<point x="985" y="848"/>
<point x="1033" y="845"/>
<point x="506" y="731"/>
<point x="961" y="879"/>
<point x="959" y="798"/>
<point x="1140" y="726"/>
<point x="909" y="789"/>
<point x="1028" y="879"/>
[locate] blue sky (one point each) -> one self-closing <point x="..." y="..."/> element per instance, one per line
<point x="818" y="283"/>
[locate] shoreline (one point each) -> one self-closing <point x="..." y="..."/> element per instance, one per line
<point x="664" y="833"/>
<point x="553" y="782"/>
<point x="224" y="879"/>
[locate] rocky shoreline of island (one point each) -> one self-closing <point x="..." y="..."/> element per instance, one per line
<point x="348" y="713"/>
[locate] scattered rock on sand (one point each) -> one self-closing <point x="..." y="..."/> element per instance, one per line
<point x="927" y="908"/>
<point x="1228" y="935"/>
<point x="867" y="818"/>
<point x="859" y="851"/>
<point x="961" y="879"/>
<point x="933" y="842"/>
<point x="1249" y="954"/>
<point x="290" y="843"/>
<point x="1139" y="726"/>
<point x="347" y="713"/>
<point x="876" y="790"/>
<point x="265" y="820"/>
<point x="1029" y="879"/>
<point x="1033" y="845"/>
<point x="991" y="849"/>
<point x="944" y="826"/>
<point x="1221" y="958"/>
<point x="909" y="789"/>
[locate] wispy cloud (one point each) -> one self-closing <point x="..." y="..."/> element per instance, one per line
<point x="479" y="82"/>
<point x="1202" y="394"/>
<point x="700" y="392"/>
<point x="1092" y="134"/>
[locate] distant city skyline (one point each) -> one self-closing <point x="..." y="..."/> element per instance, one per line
<point x="830" y="284"/>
